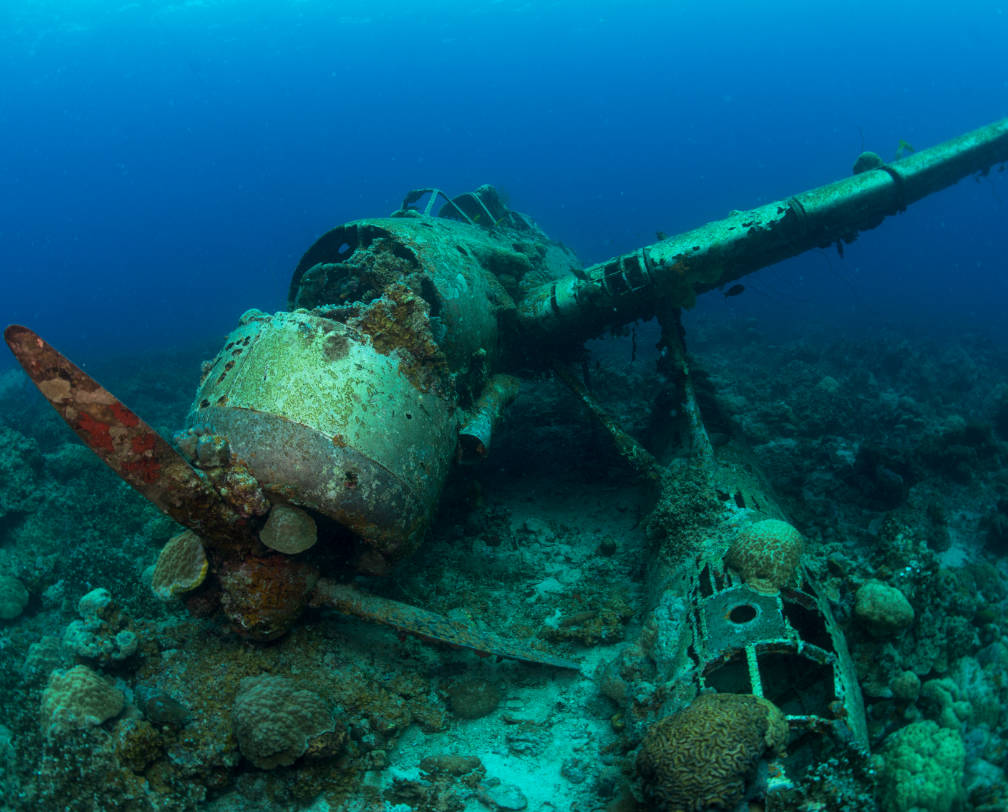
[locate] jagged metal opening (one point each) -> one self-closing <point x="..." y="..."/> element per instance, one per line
<point x="354" y="264"/>
<point x="796" y="684"/>
<point x="710" y="581"/>
<point x="335" y="246"/>
<point x="429" y="294"/>
<point x="806" y="620"/>
<point x="730" y="676"/>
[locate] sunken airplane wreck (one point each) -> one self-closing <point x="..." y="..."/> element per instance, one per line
<point x="320" y="437"/>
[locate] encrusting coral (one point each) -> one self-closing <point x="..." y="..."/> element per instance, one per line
<point x="78" y="697"/>
<point x="102" y="634"/>
<point x="13" y="597"/>
<point x="883" y="609"/>
<point x="275" y="721"/>
<point x="923" y="768"/>
<point x="181" y="566"/>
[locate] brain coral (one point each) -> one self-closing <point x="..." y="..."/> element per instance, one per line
<point x="275" y="721"/>
<point x="767" y="554"/>
<point x="703" y="755"/>
<point x="78" y="697"/>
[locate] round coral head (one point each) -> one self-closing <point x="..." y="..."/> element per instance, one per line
<point x="767" y="554"/>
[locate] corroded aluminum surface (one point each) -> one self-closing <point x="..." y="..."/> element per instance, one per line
<point x="325" y="421"/>
<point x="452" y="265"/>
<point x="739" y="617"/>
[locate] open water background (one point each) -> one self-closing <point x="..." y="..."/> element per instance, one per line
<point x="165" y="164"/>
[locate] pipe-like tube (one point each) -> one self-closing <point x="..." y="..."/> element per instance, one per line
<point x="672" y="272"/>
<point x="474" y="436"/>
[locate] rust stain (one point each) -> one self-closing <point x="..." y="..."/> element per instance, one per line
<point x="336" y="346"/>
<point x="95" y="433"/>
<point x="142" y="444"/>
<point x="123" y="415"/>
<point x="146" y="470"/>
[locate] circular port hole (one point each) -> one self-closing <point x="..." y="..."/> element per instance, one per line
<point x="742" y="613"/>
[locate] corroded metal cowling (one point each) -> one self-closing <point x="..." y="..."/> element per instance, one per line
<point x="350" y="404"/>
<point x="327" y="422"/>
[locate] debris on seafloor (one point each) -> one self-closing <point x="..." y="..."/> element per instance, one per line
<point x="428" y="625"/>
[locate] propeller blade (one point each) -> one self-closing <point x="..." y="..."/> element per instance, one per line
<point x="130" y="447"/>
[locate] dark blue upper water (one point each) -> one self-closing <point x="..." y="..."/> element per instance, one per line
<point x="165" y="164"/>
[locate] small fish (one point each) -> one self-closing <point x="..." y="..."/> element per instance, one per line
<point x="839" y="248"/>
<point x="904" y="149"/>
<point x="734" y="290"/>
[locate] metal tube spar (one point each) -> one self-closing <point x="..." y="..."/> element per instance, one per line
<point x="674" y="271"/>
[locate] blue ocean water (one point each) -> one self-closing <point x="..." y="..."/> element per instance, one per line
<point x="165" y="164"/>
